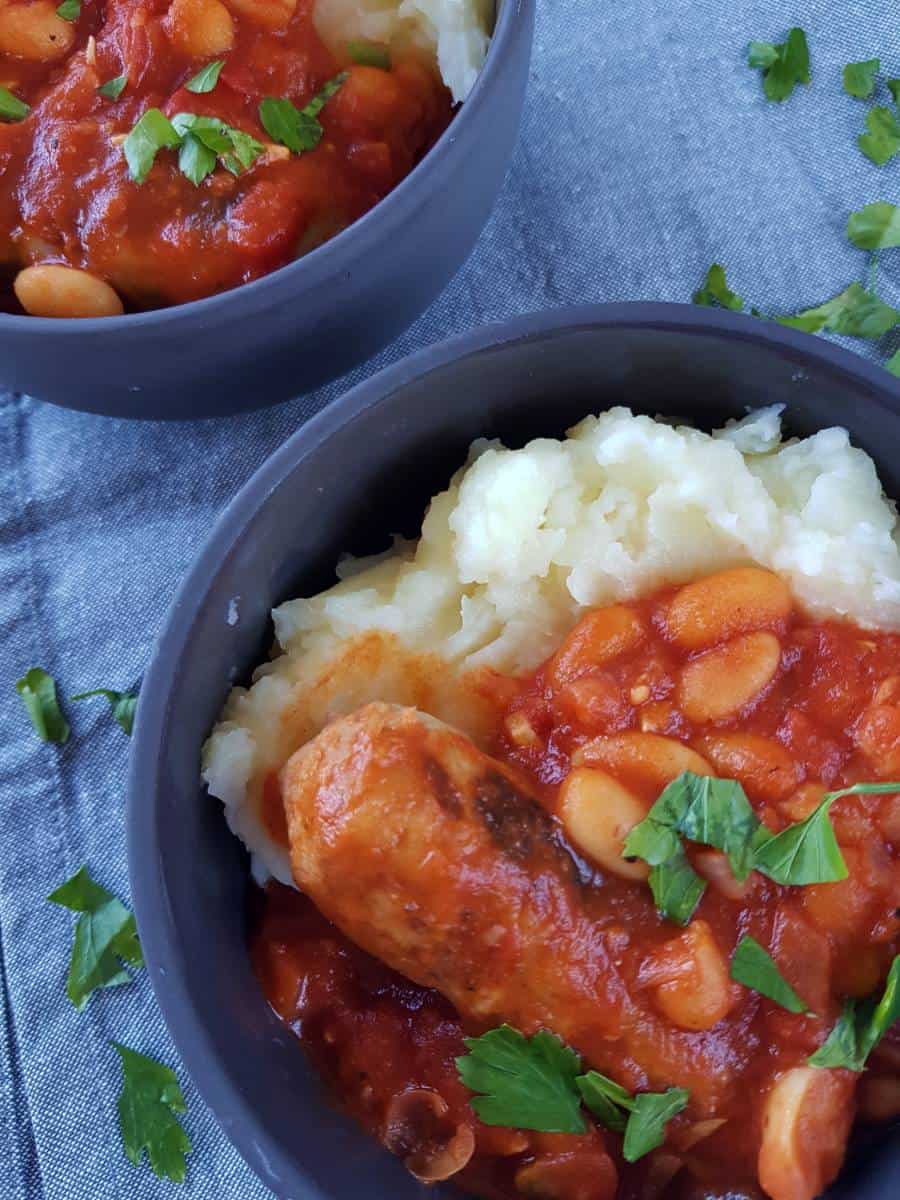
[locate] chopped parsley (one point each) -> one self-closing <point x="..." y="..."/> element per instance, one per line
<point x="881" y="141"/>
<point x="861" y="1027"/>
<point x="523" y="1083"/>
<point x="113" y="88"/>
<point x="69" y="10"/>
<point x="370" y="54"/>
<point x="784" y="64"/>
<point x="893" y="364"/>
<point x="755" y="968"/>
<point x="123" y="705"/>
<point x="11" y="107"/>
<point x="206" y="78"/>
<point x="105" y="938"/>
<point x="536" y="1083"/>
<point x="200" y="142"/>
<point x="716" y="812"/>
<point x="875" y="227"/>
<point x="38" y="692"/>
<point x="855" y="312"/>
<point x="642" y="1118"/>
<point x="297" y="128"/>
<point x="715" y="291"/>
<point x="859" y="78"/>
<point x="148" y="1103"/>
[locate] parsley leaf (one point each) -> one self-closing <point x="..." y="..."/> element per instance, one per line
<point x="859" y="78"/>
<point x="525" y="1083"/>
<point x="113" y="88"/>
<point x="646" y="1128"/>
<point x="206" y="78"/>
<point x="893" y="86"/>
<point x="875" y="227"/>
<point x="104" y="935"/>
<point x="715" y="290"/>
<point x="784" y="65"/>
<point x="11" y="107"/>
<point x="69" y="10"/>
<point x="855" y="312"/>
<point x="149" y="1099"/>
<point x="123" y="705"/>
<point x="881" y="141"/>
<point x="893" y="363"/>
<point x="861" y="1027"/>
<point x="370" y="54"/>
<point x="804" y="853"/>
<point x="677" y="888"/>
<point x="297" y="128"/>
<point x="38" y="692"/>
<point x="606" y="1099"/>
<point x="755" y="968"/>
<point x="648" y="1112"/>
<point x="151" y="134"/>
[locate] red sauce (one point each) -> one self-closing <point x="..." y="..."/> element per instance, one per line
<point x="829" y="716"/>
<point x="65" y="193"/>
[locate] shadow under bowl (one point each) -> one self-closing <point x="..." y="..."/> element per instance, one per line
<point x="313" y="320"/>
<point x="360" y="471"/>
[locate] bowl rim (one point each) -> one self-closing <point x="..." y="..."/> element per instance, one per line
<point x="338" y="256"/>
<point x="183" y="1018"/>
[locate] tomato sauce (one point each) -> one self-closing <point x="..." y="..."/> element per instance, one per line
<point x="827" y="715"/>
<point x="66" y="196"/>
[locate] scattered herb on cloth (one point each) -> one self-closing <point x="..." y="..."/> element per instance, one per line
<point x="859" y="78"/>
<point x="122" y="704"/>
<point x="784" y="65"/>
<point x="148" y="1103"/>
<point x="105" y="938"/>
<point x="38" y="692"/>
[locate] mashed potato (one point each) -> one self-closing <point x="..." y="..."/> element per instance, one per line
<point x="456" y="31"/>
<point x="521" y="543"/>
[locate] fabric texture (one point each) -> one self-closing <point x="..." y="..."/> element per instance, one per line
<point x="647" y="152"/>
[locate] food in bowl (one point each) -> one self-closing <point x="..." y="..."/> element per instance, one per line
<point x="154" y="154"/>
<point x="579" y="817"/>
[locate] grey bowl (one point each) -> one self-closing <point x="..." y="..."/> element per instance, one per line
<point x="361" y="470"/>
<point x="308" y="322"/>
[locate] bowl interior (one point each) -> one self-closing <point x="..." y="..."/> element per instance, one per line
<point x="361" y="471"/>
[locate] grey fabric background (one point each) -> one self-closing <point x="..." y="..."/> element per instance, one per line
<point x="647" y="151"/>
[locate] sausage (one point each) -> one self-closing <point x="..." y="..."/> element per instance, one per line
<point x="442" y="863"/>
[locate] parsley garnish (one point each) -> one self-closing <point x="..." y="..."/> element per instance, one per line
<point x="861" y="1027"/>
<point x="536" y="1083"/>
<point x="855" y="312"/>
<point x="151" y="134"/>
<point x="370" y="54"/>
<point x="875" y="227"/>
<point x="11" y="107"/>
<point x="881" y="141"/>
<point x="69" y="10"/>
<point x="716" y="812"/>
<point x="206" y="78"/>
<point x="38" y="692"/>
<point x="123" y="705"/>
<point x="859" y="78"/>
<point x="113" y="88"/>
<point x="524" y="1083"/>
<point x="893" y="363"/>
<point x="893" y="86"/>
<point x="784" y="65"/>
<point x="105" y="937"/>
<point x="149" y="1099"/>
<point x="297" y="128"/>
<point x="648" y="1113"/>
<point x="715" y="290"/>
<point x="200" y="142"/>
<point x="755" y="968"/>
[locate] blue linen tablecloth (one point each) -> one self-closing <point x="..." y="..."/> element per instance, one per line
<point x="647" y="152"/>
